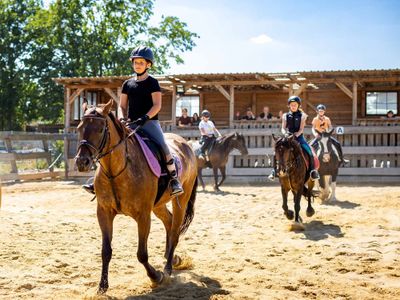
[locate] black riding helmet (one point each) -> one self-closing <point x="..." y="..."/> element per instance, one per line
<point x="142" y="52"/>
<point x="321" y="107"/>
<point x="205" y="113"/>
<point x="294" y="99"/>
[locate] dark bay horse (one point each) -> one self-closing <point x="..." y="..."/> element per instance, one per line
<point x="219" y="156"/>
<point x="124" y="184"/>
<point x="293" y="176"/>
<point x="329" y="165"/>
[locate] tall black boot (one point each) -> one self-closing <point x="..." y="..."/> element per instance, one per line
<point x="176" y="187"/>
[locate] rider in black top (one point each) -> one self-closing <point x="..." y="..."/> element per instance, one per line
<point x="140" y="101"/>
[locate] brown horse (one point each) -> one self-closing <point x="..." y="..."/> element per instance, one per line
<point x="219" y="156"/>
<point x="124" y="184"/>
<point x="293" y="176"/>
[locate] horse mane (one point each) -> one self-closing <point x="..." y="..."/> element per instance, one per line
<point x="121" y="129"/>
<point x="286" y="143"/>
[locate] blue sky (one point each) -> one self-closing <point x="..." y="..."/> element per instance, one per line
<point x="288" y="35"/>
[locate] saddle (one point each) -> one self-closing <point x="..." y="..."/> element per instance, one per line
<point x="306" y="158"/>
<point x="156" y="160"/>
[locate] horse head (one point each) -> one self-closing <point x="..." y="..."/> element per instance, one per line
<point x="325" y="145"/>
<point x="239" y="142"/>
<point x="286" y="151"/>
<point x="93" y="133"/>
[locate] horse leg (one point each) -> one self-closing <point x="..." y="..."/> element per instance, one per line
<point x="223" y="173"/>
<point x="143" y="234"/>
<point x="288" y="213"/>
<point x="177" y="219"/>
<point x="310" y="210"/>
<point x="105" y="219"/>
<point x="333" y="187"/>
<point x="200" y="177"/>
<point x="215" y="171"/>
<point x="165" y="216"/>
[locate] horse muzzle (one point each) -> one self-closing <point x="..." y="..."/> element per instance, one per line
<point x="83" y="163"/>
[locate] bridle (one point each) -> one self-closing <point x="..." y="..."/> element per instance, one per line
<point x="98" y="151"/>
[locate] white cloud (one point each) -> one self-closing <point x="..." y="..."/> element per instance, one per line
<point x="261" y="39"/>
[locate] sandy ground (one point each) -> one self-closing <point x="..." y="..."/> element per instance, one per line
<point x="239" y="245"/>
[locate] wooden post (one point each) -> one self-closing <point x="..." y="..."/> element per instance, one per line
<point x="7" y="142"/>
<point x="231" y="106"/>
<point x="67" y="106"/>
<point x="173" y="107"/>
<point x="254" y="103"/>
<point x="354" y="118"/>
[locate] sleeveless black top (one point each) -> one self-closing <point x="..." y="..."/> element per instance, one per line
<point x="293" y="121"/>
<point x="139" y="96"/>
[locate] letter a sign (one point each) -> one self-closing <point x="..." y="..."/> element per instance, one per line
<point x="339" y="130"/>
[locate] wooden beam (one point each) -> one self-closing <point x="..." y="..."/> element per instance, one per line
<point x="72" y="97"/>
<point x="259" y="77"/>
<point x="112" y="94"/>
<point x="223" y="92"/>
<point x="231" y="105"/>
<point x="344" y="88"/>
<point x="354" y="116"/>
<point x="302" y="87"/>
<point x="173" y="107"/>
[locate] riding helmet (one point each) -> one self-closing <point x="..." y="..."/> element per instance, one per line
<point x="205" y="113"/>
<point x="294" y="99"/>
<point x="321" y="107"/>
<point x="142" y="52"/>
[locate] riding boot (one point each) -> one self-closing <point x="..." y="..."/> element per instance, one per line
<point x="314" y="175"/>
<point x="176" y="187"/>
<point x="340" y="151"/>
<point x="89" y="187"/>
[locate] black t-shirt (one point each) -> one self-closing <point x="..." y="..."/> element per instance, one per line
<point x="269" y="116"/>
<point x="139" y="96"/>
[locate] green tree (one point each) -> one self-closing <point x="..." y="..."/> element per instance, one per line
<point x="15" y="90"/>
<point x="74" y="38"/>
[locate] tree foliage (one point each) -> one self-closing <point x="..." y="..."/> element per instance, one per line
<point x="74" y="38"/>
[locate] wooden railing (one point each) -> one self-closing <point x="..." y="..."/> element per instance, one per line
<point x="372" y="151"/>
<point x="20" y="147"/>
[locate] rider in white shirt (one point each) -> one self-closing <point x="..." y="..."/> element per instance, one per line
<point x="208" y="133"/>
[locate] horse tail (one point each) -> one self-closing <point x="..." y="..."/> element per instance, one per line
<point x="189" y="209"/>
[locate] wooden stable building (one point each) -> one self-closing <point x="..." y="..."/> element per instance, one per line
<point x="354" y="98"/>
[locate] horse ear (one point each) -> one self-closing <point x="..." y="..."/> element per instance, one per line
<point x="108" y="106"/>
<point x="331" y="131"/>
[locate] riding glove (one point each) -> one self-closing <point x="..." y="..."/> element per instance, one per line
<point x="141" y="120"/>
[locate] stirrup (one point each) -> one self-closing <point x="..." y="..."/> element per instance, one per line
<point x="314" y="175"/>
<point x="176" y="187"/>
<point x="272" y="176"/>
<point x="89" y="188"/>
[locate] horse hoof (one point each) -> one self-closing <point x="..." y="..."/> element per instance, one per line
<point x="310" y="212"/>
<point x="155" y="283"/>
<point x="289" y="214"/>
<point x="176" y="262"/>
<point x="102" y="290"/>
<point x="296" y="226"/>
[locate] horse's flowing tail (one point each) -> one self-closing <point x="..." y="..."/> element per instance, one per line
<point x="189" y="210"/>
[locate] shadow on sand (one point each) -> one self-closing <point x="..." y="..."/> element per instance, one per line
<point x="342" y="204"/>
<point x="183" y="290"/>
<point x="317" y="230"/>
<point x="223" y="193"/>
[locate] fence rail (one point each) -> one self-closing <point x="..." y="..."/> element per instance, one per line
<point x="372" y="151"/>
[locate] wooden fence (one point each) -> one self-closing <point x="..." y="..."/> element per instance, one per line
<point x="373" y="151"/>
<point x="16" y="148"/>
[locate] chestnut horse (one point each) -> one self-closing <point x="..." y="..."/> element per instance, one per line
<point x="124" y="184"/>
<point x="293" y="175"/>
